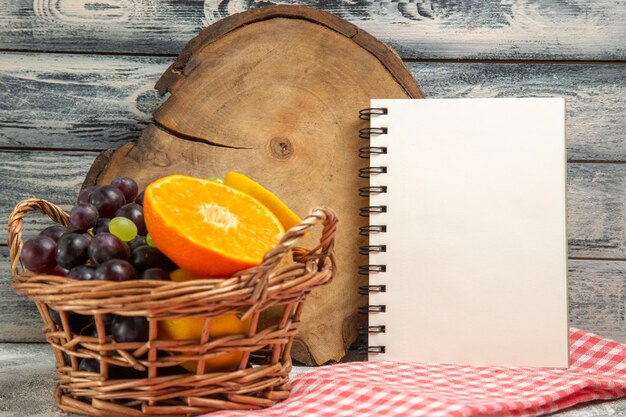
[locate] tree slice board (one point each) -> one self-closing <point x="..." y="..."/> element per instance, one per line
<point x="275" y="93"/>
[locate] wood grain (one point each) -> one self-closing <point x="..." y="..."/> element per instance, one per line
<point x="530" y="29"/>
<point x="54" y="176"/>
<point x="97" y="102"/>
<point x="249" y="93"/>
<point x="75" y="102"/>
<point x="596" y="218"/>
<point x="597" y="294"/>
<point x="19" y="318"/>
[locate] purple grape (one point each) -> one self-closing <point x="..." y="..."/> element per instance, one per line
<point x="84" y="216"/>
<point x="81" y="272"/>
<point x="72" y="230"/>
<point x="105" y="246"/>
<point x="127" y="186"/>
<point x="53" y="232"/>
<point x="115" y="270"/>
<point x="134" y="212"/>
<point x="145" y="257"/>
<point x="39" y="254"/>
<point x="83" y="196"/>
<point x="59" y="271"/>
<point x="72" y="250"/>
<point x="89" y="365"/>
<point x="139" y="199"/>
<point x="130" y="329"/>
<point x="102" y="226"/>
<point x="137" y="242"/>
<point x="76" y="321"/>
<point x="156" y="274"/>
<point x="107" y="199"/>
<point x="107" y="320"/>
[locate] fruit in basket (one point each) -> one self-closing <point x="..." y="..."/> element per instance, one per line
<point x="127" y="186"/>
<point x="150" y="241"/>
<point x="157" y="274"/>
<point x="83" y="196"/>
<point x="77" y="322"/>
<point x="208" y="228"/>
<point x="144" y="257"/>
<point x="129" y="329"/>
<point x="81" y="272"/>
<point x="105" y="246"/>
<point x="53" y="232"/>
<point x="89" y="365"/>
<point x="107" y="199"/>
<point x="39" y="254"/>
<point x="139" y="199"/>
<point x="248" y="186"/>
<point x="191" y="329"/>
<point x="133" y="212"/>
<point x="72" y="250"/>
<point x="115" y="270"/>
<point x="123" y="228"/>
<point x="84" y="216"/>
<point x="102" y="226"/>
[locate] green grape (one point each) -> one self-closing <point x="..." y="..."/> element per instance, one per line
<point x="216" y="178"/>
<point x="123" y="228"/>
<point x="149" y="241"/>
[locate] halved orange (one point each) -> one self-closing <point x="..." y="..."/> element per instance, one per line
<point x="208" y="228"/>
<point x="246" y="185"/>
<point x="191" y="329"/>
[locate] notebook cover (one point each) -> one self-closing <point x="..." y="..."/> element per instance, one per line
<point x="476" y="231"/>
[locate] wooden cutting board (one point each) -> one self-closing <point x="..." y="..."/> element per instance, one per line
<point x="275" y="93"/>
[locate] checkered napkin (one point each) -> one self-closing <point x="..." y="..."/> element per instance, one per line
<point x="392" y="389"/>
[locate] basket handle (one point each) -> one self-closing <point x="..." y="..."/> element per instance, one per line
<point x="260" y="274"/>
<point x="16" y="224"/>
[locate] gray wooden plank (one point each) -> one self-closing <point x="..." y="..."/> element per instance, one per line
<point x="596" y="212"/>
<point x="19" y="319"/>
<point x="535" y="29"/>
<point x="54" y="176"/>
<point x="597" y="297"/>
<point x="27" y="372"/>
<point x="76" y="101"/>
<point x="595" y="97"/>
<point x="97" y="102"/>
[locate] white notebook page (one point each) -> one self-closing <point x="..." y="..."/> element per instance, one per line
<point x="476" y="231"/>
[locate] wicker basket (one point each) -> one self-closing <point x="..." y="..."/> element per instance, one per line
<point x="159" y="386"/>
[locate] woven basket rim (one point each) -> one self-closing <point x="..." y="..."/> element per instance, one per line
<point x="246" y="290"/>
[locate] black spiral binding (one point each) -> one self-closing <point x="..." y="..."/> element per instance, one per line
<point x="367" y="172"/>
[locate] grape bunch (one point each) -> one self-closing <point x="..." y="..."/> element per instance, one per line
<point x="106" y="239"/>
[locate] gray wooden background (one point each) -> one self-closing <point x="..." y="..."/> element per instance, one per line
<point x="76" y="78"/>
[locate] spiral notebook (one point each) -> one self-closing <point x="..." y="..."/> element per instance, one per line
<point x="467" y="231"/>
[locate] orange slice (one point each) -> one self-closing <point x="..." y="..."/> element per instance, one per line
<point x="191" y="329"/>
<point x="244" y="184"/>
<point x="208" y="228"/>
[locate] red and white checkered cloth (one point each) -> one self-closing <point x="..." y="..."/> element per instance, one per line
<point x="392" y="389"/>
